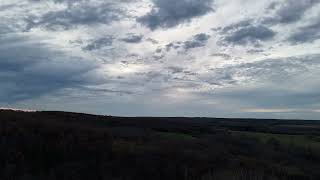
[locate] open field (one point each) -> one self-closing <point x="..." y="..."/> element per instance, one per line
<point x="61" y="145"/>
<point x="307" y="141"/>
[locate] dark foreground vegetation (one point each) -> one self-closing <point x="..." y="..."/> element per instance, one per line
<point x="71" y="146"/>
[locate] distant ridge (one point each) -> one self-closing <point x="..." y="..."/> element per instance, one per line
<point x="15" y="109"/>
<point x="175" y="118"/>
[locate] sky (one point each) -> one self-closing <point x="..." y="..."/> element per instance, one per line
<point x="208" y="58"/>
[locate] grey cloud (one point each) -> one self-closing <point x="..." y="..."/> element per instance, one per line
<point x="245" y="33"/>
<point x="279" y="69"/>
<point x="306" y="34"/>
<point x="175" y="69"/>
<point x="10" y="24"/>
<point x="223" y="55"/>
<point x="275" y="96"/>
<point x="4" y="29"/>
<point x="99" y="43"/>
<point x="153" y="41"/>
<point x="272" y="5"/>
<point x="158" y="57"/>
<point x="290" y="11"/>
<point x="254" y="51"/>
<point x="38" y="70"/>
<point x="6" y="7"/>
<point x="82" y="13"/>
<point x="101" y="91"/>
<point x="170" y="13"/>
<point x="198" y="40"/>
<point x="238" y="25"/>
<point x="173" y="45"/>
<point x="132" y="38"/>
<point x="152" y="79"/>
<point x="269" y="69"/>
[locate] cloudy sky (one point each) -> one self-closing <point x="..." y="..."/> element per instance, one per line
<point x="217" y="58"/>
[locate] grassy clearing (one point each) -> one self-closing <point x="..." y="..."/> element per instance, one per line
<point x="170" y="135"/>
<point x="297" y="140"/>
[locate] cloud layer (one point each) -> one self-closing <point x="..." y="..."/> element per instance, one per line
<point x="30" y="69"/>
<point x="162" y="57"/>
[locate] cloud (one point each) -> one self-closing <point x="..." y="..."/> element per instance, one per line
<point x="153" y="41"/>
<point x="170" y="13"/>
<point x="277" y="69"/>
<point x="99" y="43"/>
<point x="306" y="34"/>
<point x="5" y="28"/>
<point x="173" y="45"/>
<point x="132" y="38"/>
<point x="175" y="69"/>
<point x="102" y="91"/>
<point x="75" y="14"/>
<point x="245" y="33"/>
<point x="198" y="40"/>
<point x="38" y="70"/>
<point x="273" y="95"/>
<point x="269" y="86"/>
<point x="273" y="99"/>
<point x="254" y="51"/>
<point x="289" y="11"/>
<point x="102" y="50"/>
<point x="222" y="55"/>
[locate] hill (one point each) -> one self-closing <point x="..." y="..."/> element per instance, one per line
<point x="63" y="145"/>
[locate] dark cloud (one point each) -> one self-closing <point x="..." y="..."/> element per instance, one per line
<point x="173" y="45"/>
<point x="99" y="43"/>
<point x="255" y="51"/>
<point x="245" y="33"/>
<point x="82" y="13"/>
<point x="223" y="55"/>
<point x="290" y="11"/>
<point x="175" y="69"/>
<point x="132" y="38"/>
<point x="153" y="41"/>
<point x="37" y="70"/>
<point x="272" y="5"/>
<point x="170" y="13"/>
<point x="198" y="40"/>
<point x="101" y="91"/>
<point x="235" y="26"/>
<point x="306" y="34"/>
<point x="158" y="57"/>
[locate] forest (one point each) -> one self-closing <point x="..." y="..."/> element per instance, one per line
<point x="73" y="146"/>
